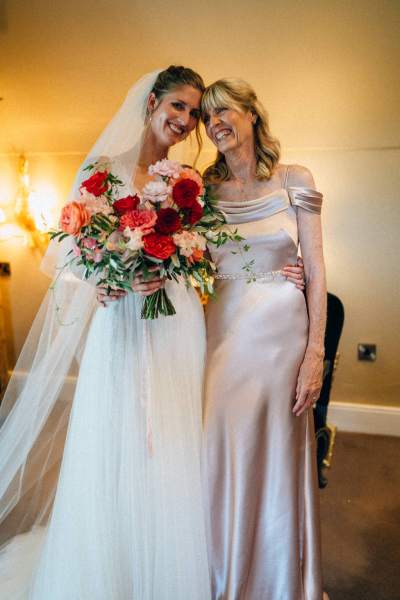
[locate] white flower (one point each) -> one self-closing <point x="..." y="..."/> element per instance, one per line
<point x="103" y="163"/>
<point x="166" y="168"/>
<point x="211" y="235"/>
<point x="135" y="238"/>
<point x="95" y="204"/>
<point x="188" y="241"/>
<point x="156" y="191"/>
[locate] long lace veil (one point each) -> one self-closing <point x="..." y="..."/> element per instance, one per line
<point x="36" y="406"/>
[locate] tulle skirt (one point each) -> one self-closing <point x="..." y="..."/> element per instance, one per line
<point x="128" y="518"/>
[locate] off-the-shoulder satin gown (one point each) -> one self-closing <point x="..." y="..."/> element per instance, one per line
<point x="260" y="480"/>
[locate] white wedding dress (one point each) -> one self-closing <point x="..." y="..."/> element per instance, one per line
<point x="127" y="521"/>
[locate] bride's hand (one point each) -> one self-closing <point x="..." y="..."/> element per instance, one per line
<point x="103" y="296"/>
<point x="148" y="286"/>
<point x="309" y="382"/>
<point x="295" y="273"/>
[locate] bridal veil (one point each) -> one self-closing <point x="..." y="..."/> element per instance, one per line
<point x="137" y="515"/>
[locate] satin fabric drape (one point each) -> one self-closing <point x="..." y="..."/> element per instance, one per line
<point x="260" y="483"/>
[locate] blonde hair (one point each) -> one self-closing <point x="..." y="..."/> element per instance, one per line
<point x="239" y="95"/>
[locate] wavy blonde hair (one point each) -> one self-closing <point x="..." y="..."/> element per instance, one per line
<point x="238" y="95"/>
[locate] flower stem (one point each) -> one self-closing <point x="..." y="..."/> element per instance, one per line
<point x="157" y="304"/>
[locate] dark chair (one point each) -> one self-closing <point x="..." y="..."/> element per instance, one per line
<point x="324" y="434"/>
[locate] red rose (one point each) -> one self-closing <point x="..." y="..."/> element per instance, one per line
<point x="124" y="205"/>
<point x="168" y="221"/>
<point x="193" y="213"/>
<point x="96" y="184"/>
<point x="160" y="246"/>
<point x="185" y="192"/>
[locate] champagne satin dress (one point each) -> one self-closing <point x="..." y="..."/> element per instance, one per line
<point x="260" y="472"/>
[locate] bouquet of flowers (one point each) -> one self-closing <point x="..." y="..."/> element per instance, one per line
<point x="167" y="227"/>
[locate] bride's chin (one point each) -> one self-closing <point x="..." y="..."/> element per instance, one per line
<point x="174" y="138"/>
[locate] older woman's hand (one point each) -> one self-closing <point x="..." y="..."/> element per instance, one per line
<point x="309" y="381"/>
<point x="295" y="274"/>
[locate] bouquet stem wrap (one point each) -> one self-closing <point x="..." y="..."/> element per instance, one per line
<point x="157" y="304"/>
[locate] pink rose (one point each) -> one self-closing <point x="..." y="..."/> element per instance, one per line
<point x="141" y="219"/>
<point x="98" y="256"/>
<point x="166" y="168"/>
<point x="89" y="243"/>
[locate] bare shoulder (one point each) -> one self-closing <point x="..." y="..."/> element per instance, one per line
<point x="300" y="176"/>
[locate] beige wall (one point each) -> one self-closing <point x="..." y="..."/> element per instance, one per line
<point x="325" y="70"/>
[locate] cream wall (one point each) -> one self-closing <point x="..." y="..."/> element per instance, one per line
<point x="325" y="70"/>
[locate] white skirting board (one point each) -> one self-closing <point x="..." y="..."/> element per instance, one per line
<point x="365" y="418"/>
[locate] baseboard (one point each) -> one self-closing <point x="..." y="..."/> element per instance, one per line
<point x="365" y="418"/>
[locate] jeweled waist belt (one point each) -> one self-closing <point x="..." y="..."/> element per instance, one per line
<point x="266" y="276"/>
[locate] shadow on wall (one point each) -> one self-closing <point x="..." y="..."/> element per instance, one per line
<point x="3" y="16"/>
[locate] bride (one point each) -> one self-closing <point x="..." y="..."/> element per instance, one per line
<point x="89" y="508"/>
<point x="117" y="520"/>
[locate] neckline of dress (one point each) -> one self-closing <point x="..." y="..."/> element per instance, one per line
<point x="255" y="200"/>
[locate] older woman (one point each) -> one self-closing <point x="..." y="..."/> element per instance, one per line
<point x="264" y="362"/>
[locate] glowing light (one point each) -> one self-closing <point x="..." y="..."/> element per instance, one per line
<point x="9" y="231"/>
<point x="32" y="213"/>
<point x="42" y="205"/>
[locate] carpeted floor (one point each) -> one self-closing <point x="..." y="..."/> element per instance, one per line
<point x="360" y="513"/>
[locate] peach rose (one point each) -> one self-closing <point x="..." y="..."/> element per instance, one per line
<point x="74" y="216"/>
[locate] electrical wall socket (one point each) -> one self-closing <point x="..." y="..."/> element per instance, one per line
<point x="366" y="352"/>
<point x="5" y="269"/>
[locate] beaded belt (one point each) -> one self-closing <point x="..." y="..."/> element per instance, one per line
<point x="268" y="276"/>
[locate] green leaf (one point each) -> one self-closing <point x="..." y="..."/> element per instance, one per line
<point x="175" y="261"/>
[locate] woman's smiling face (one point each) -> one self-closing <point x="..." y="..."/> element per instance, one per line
<point x="228" y="128"/>
<point x="175" y="115"/>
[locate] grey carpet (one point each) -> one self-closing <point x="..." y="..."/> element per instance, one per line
<point x="360" y="513"/>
